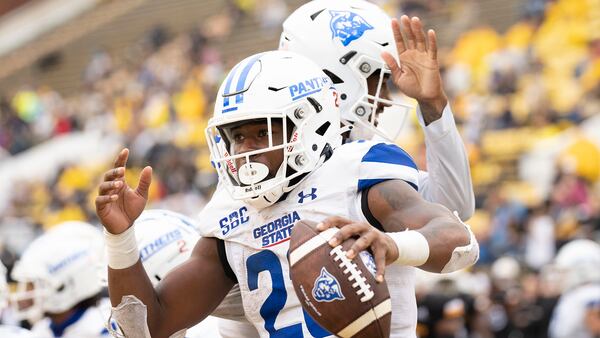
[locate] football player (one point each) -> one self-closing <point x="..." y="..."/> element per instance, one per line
<point x="8" y="331"/>
<point x="347" y="38"/>
<point x="275" y="142"/>
<point x="362" y="49"/>
<point x="577" y="314"/>
<point x="58" y="283"/>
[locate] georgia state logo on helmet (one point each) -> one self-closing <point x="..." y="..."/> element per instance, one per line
<point x="327" y="288"/>
<point x="347" y="26"/>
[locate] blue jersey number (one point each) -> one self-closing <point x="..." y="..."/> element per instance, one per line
<point x="266" y="260"/>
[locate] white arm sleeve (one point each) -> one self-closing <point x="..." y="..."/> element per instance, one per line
<point x="448" y="181"/>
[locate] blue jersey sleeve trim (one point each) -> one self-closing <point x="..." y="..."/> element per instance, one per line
<point x="367" y="183"/>
<point x="388" y="153"/>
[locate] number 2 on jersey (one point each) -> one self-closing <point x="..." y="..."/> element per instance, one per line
<point x="267" y="261"/>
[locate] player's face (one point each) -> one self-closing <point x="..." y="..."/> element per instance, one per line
<point x="255" y="136"/>
<point x="24" y="304"/>
<point x="384" y="93"/>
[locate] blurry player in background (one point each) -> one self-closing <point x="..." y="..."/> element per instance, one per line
<point x="165" y="240"/>
<point x="8" y="331"/>
<point x="59" y="283"/>
<point x="577" y="314"/>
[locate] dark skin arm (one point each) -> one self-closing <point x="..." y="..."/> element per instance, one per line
<point x="397" y="206"/>
<point x="190" y="292"/>
<point x="185" y="297"/>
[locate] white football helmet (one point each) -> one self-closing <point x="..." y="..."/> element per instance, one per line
<point x="346" y="39"/>
<point x="58" y="270"/>
<point x="3" y="287"/>
<point x="578" y="263"/>
<point x="165" y="239"/>
<point x="274" y="86"/>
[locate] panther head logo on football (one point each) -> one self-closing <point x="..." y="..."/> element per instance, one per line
<point x="327" y="288"/>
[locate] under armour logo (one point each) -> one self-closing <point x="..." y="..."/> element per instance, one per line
<point x="312" y="195"/>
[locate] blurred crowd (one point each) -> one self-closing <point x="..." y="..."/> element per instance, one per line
<point x="509" y="91"/>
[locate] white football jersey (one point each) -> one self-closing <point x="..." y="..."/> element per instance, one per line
<point x="256" y="241"/>
<point x="90" y="323"/>
<point x="568" y="317"/>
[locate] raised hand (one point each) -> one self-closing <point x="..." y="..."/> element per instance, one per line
<point x="118" y="205"/>
<point x="418" y="74"/>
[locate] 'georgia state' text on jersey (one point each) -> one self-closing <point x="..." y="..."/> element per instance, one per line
<point x="257" y="241"/>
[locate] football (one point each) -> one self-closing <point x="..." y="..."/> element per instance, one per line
<point x="340" y="294"/>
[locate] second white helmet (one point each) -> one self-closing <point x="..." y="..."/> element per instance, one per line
<point x="58" y="270"/>
<point x="578" y="262"/>
<point x="165" y="239"/>
<point x="346" y="39"/>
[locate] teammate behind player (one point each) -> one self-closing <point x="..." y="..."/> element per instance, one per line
<point x="59" y="287"/>
<point x="577" y="314"/>
<point x="8" y="331"/>
<point x="275" y="143"/>
<point x="346" y="38"/>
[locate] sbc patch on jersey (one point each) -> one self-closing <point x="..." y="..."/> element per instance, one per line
<point x="327" y="288"/>
<point x="347" y="26"/>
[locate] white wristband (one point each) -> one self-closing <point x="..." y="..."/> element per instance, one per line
<point x="121" y="249"/>
<point x="413" y="248"/>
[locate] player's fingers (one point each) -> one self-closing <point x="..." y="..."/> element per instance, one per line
<point x="410" y="36"/>
<point x="379" y="253"/>
<point x="333" y="222"/>
<point x="144" y="183"/>
<point x="109" y="188"/>
<point x="400" y="46"/>
<point x="432" y="51"/>
<point x="114" y="174"/>
<point x="417" y="29"/>
<point x="121" y="158"/>
<point x="391" y="63"/>
<point x="346" y="232"/>
<point x="101" y="201"/>
<point x="366" y="240"/>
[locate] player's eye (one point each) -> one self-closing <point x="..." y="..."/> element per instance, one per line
<point x="263" y="133"/>
<point x="238" y="138"/>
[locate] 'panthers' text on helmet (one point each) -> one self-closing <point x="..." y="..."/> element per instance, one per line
<point x="280" y="87"/>
<point x="346" y="38"/>
<point x="165" y="239"/>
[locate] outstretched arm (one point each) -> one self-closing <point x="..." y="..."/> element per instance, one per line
<point x="418" y="76"/>
<point x="398" y="207"/>
<point x="188" y="294"/>
<point x="418" y="233"/>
